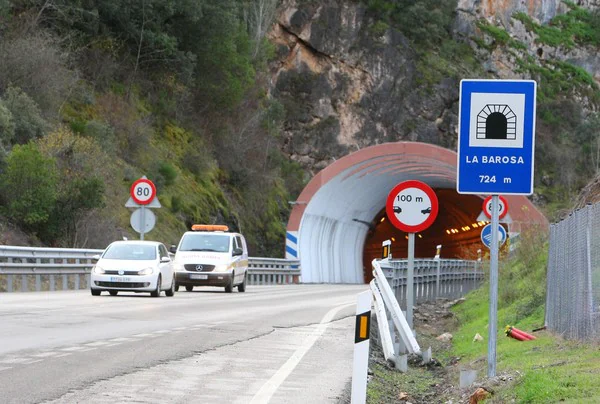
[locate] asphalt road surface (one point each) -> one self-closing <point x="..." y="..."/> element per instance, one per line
<point x="272" y="344"/>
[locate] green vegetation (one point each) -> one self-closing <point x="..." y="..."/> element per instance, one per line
<point x="576" y="27"/>
<point x="93" y="95"/>
<point x="548" y="369"/>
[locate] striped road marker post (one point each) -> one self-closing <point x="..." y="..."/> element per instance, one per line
<point x="361" y="347"/>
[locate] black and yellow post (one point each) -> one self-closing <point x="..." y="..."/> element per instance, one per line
<point x="363" y="327"/>
<point x="386" y="249"/>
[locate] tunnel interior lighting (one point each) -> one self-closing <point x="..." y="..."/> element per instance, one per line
<point x="448" y="231"/>
<point x="393" y="238"/>
<point x="382" y="220"/>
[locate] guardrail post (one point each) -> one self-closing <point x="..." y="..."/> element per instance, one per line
<point x="24" y="286"/>
<point x="65" y="282"/>
<point x="9" y="283"/>
<point x="437" y="279"/>
<point x="52" y="283"/>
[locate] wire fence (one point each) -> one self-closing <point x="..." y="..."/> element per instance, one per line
<point x="573" y="277"/>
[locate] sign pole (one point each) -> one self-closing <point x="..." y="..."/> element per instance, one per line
<point x="410" y="280"/>
<point x="142" y="222"/>
<point x="493" y="309"/>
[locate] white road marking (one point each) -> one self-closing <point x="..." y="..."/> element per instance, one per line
<point x="45" y="354"/>
<point x="162" y="332"/>
<point x="65" y="354"/>
<point x="14" y="360"/>
<point x="30" y="361"/>
<point x="4" y="368"/>
<point x="73" y="348"/>
<point x="266" y="392"/>
<point x="122" y="339"/>
<point x="98" y="343"/>
<point x="144" y="335"/>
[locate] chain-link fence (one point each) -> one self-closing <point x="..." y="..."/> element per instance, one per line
<point x="573" y="285"/>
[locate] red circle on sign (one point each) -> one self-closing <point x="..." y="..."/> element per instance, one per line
<point x="144" y="198"/>
<point x="428" y="220"/>
<point x="488" y="202"/>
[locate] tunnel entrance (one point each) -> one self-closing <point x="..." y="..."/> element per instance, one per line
<point x="456" y="229"/>
<point x="338" y="222"/>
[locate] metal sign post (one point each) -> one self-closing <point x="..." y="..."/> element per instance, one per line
<point x="410" y="280"/>
<point x="493" y="308"/>
<point x="142" y="222"/>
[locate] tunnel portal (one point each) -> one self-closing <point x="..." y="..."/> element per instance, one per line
<point x="338" y="222"/>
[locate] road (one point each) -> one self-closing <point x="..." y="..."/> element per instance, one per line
<point x="277" y="344"/>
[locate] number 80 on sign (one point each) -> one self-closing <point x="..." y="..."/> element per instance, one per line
<point x="143" y="191"/>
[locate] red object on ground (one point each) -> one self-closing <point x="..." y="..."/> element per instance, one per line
<point x="526" y="335"/>
<point x="518" y="334"/>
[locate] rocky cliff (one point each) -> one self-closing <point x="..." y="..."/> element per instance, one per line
<point x="349" y="78"/>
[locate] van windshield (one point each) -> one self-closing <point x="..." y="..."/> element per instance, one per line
<point x="205" y="242"/>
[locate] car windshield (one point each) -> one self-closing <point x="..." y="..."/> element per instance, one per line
<point x="130" y="252"/>
<point x="205" y="242"/>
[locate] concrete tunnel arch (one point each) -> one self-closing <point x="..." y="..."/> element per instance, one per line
<point x="338" y="221"/>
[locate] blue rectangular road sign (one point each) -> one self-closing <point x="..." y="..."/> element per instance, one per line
<point x="496" y="137"/>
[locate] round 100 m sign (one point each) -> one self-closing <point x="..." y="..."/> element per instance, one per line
<point x="412" y="206"/>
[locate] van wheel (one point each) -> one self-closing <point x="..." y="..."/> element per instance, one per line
<point x="242" y="286"/>
<point x="95" y="292"/>
<point x="229" y="287"/>
<point x="189" y="288"/>
<point x="113" y="292"/>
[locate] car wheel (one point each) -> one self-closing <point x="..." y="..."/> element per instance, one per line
<point x="242" y="286"/>
<point x="229" y="287"/>
<point x="176" y="287"/>
<point x="113" y="292"/>
<point x="156" y="293"/>
<point x="171" y="291"/>
<point x="95" y="292"/>
<point x="189" y="288"/>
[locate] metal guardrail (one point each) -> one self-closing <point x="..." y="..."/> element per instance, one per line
<point x="441" y="278"/>
<point x="37" y="269"/>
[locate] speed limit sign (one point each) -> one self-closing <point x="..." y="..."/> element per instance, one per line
<point x="502" y="207"/>
<point x="143" y="191"/>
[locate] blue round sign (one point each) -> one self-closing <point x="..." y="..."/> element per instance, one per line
<point x="486" y="235"/>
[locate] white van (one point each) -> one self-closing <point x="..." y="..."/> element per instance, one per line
<point x="210" y="255"/>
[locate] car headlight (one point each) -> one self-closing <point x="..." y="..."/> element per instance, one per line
<point x="98" y="270"/>
<point x="146" y="271"/>
<point x="222" y="268"/>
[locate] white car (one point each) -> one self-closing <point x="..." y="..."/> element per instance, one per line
<point x="134" y="266"/>
<point x="210" y="255"/>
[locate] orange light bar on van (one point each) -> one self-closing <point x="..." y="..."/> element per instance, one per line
<point x="210" y="227"/>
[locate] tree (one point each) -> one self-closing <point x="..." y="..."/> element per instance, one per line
<point x="29" y="186"/>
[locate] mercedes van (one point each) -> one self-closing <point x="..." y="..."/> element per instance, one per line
<point x="210" y="255"/>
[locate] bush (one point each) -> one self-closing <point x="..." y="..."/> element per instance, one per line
<point x="168" y="172"/>
<point x="103" y="134"/>
<point x="36" y="64"/>
<point x="27" y="116"/>
<point x="7" y="126"/>
<point x="29" y="186"/>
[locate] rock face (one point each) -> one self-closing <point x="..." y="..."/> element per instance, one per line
<point x="345" y="88"/>
<point x="346" y="85"/>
